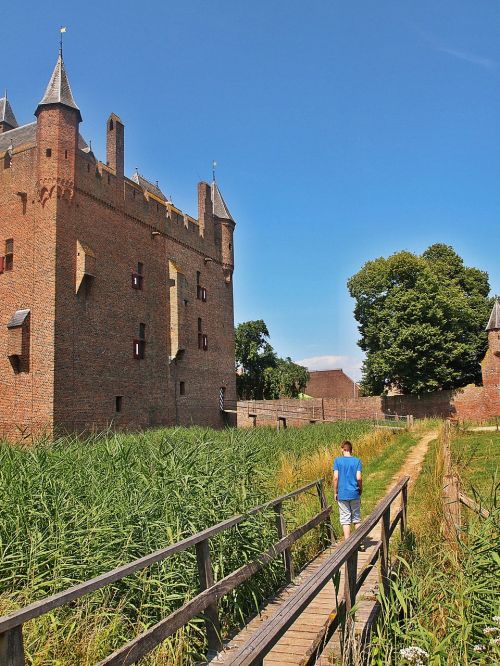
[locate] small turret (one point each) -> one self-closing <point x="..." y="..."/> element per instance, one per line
<point x="491" y="362"/>
<point x="7" y="118"/>
<point x="58" y="118"/>
<point x="224" y="230"/>
<point x="115" y="145"/>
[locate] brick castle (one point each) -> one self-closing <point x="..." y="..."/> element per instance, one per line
<point x="117" y="308"/>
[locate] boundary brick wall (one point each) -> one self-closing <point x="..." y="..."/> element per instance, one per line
<point x="331" y="384"/>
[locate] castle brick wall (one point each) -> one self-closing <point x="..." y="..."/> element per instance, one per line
<point x="84" y="313"/>
<point x="474" y="403"/>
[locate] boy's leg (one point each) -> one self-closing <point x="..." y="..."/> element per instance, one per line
<point x="345" y="517"/>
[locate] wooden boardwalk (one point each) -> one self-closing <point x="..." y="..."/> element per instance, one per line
<point x="306" y="636"/>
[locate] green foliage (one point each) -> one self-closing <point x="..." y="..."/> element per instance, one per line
<point x="261" y="374"/>
<point x="421" y="320"/>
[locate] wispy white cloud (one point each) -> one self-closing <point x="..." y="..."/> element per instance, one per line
<point x="468" y="57"/>
<point x="349" y="364"/>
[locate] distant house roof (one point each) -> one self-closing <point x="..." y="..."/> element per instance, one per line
<point x="331" y="384"/>
<point x="494" y="320"/>
<point x="148" y="186"/>
<point x="58" y="90"/>
<point x="220" y="208"/>
<point x="18" y="318"/>
<point x="6" y="114"/>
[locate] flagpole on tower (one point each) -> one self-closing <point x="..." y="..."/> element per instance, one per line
<point x="214" y="165"/>
<point x="62" y="30"/>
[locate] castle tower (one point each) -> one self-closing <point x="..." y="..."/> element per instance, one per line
<point x="7" y="118"/>
<point x="224" y="229"/>
<point x="58" y="118"/>
<point x="491" y="363"/>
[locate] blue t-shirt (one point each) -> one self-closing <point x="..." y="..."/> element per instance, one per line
<point x="347" y="466"/>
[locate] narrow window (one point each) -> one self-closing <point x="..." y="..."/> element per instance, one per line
<point x="140" y="343"/>
<point x="203" y="295"/>
<point x="109" y="179"/>
<point x="88" y="168"/>
<point x="7" y="160"/>
<point x="138" y="276"/>
<point x="48" y="152"/>
<point x="118" y="403"/>
<point x="182" y="388"/>
<point x="198" y="277"/>
<point x="9" y="255"/>
<point x="200" y="334"/>
<point x="205" y="342"/>
<point x="199" y="324"/>
<point x="65" y="154"/>
<point x="111" y="125"/>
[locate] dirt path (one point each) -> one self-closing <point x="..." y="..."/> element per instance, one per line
<point x="412" y="466"/>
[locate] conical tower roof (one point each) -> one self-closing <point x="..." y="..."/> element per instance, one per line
<point x="58" y="90"/>
<point x="494" y="320"/>
<point x="6" y="114"/>
<point x="220" y="208"/>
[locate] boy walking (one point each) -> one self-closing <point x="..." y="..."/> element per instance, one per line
<point x="348" y="486"/>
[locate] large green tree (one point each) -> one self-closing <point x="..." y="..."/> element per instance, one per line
<point x="261" y="374"/>
<point x="422" y="321"/>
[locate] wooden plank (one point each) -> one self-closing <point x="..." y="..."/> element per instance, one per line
<point x="11" y="647"/>
<point x="206" y="576"/>
<point x="143" y="644"/>
<point x="61" y="598"/>
<point x="384" y="556"/>
<point x="468" y="502"/>
<point x="287" y="553"/>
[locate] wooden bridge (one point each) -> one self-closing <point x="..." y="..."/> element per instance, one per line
<point x="294" y="627"/>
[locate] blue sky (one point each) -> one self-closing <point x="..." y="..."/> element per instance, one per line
<point x="343" y="131"/>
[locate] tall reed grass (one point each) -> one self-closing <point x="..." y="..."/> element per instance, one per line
<point x="74" y="508"/>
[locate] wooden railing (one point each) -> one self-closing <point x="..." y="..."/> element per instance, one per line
<point x="263" y="639"/>
<point x="11" y="626"/>
<point x="453" y="497"/>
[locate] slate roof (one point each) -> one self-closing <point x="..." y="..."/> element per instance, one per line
<point x="494" y="320"/>
<point x="6" y="113"/>
<point x="149" y="187"/>
<point x="26" y="134"/>
<point x="59" y="91"/>
<point x="18" y="318"/>
<point x="220" y="209"/>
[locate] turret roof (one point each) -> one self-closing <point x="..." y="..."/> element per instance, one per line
<point x="494" y="320"/>
<point x="6" y="113"/>
<point x="148" y="186"/>
<point x="58" y="90"/>
<point x="220" y="208"/>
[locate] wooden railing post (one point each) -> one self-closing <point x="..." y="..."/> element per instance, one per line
<point x="206" y="576"/>
<point x="404" y="507"/>
<point x="323" y="504"/>
<point x="11" y="647"/>
<point x="384" y="555"/>
<point x="451" y="507"/>
<point x="287" y="553"/>
<point x="350" y="578"/>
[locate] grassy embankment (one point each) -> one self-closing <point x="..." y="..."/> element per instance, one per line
<point x="73" y="509"/>
<point x="446" y="600"/>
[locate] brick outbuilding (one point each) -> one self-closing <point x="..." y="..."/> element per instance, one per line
<point x="116" y="307"/>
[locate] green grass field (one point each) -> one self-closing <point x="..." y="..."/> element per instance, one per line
<point x="444" y="599"/>
<point x="73" y="509"/>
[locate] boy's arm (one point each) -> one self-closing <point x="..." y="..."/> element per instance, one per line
<point x="360" y="482"/>
<point x="336" y="483"/>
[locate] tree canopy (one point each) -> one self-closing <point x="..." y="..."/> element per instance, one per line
<point x="421" y="320"/>
<point x="261" y="374"/>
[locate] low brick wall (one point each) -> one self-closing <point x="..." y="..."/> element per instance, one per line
<point x="475" y="403"/>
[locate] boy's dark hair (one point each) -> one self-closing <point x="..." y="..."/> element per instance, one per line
<point x="346" y="446"/>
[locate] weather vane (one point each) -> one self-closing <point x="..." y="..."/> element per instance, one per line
<point x="62" y="30"/>
<point x="214" y="166"/>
